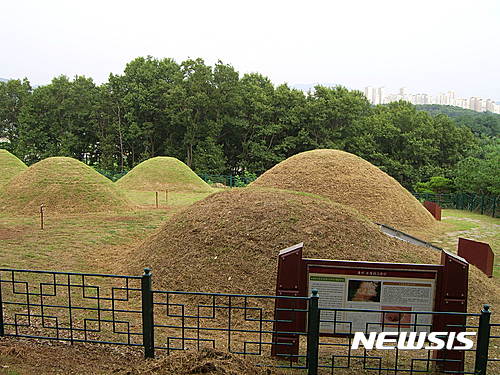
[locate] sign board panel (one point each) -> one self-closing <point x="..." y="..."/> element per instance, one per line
<point x="396" y="291"/>
<point x="391" y="290"/>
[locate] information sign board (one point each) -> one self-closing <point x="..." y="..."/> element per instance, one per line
<point x="385" y="295"/>
<point x="372" y="289"/>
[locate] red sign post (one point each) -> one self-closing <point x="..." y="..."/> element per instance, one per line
<point x="434" y="209"/>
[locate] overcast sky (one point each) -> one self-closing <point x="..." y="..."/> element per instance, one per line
<point x="427" y="46"/>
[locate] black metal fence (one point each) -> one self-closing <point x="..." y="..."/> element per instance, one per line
<point x="227" y="180"/>
<point x="126" y="310"/>
<point x="335" y="352"/>
<point x="483" y="204"/>
<point x="72" y="307"/>
<point x="237" y="323"/>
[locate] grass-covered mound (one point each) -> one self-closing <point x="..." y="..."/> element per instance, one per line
<point x="350" y="180"/>
<point x="63" y="185"/>
<point x="10" y="166"/>
<point x="162" y="173"/>
<point x="229" y="242"/>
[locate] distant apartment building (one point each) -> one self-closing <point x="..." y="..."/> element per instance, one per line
<point x="377" y="95"/>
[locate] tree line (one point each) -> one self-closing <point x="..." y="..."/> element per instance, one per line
<point x="221" y="122"/>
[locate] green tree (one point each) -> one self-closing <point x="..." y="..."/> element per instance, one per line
<point x="481" y="173"/>
<point x="409" y="145"/>
<point x="59" y="119"/>
<point x="13" y="96"/>
<point x="436" y="185"/>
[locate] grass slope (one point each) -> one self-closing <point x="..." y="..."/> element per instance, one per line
<point x="350" y="180"/>
<point x="10" y="166"/>
<point x="162" y="173"/>
<point x="64" y="185"/>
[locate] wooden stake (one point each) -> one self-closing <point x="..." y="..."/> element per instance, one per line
<point x="156" y="193"/>
<point x="41" y="216"/>
<point x="166" y="196"/>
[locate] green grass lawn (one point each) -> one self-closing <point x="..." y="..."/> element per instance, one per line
<point x="147" y="199"/>
<point x="473" y="226"/>
<point x="85" y="242"/>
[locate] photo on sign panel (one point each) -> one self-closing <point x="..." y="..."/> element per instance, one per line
<point x="364" y="291"/>
<point x="398" y="319"/>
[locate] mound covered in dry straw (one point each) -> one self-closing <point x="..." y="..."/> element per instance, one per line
<point x="162" y="173"/>
<point x="229" y="242"/>
<point x="63" y="185"/>
<point x="350" y="180"/>
<point x="10" y="166"/>
<point x="205" y="361"/>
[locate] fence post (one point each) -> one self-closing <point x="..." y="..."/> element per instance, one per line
<point x="313" y="334"/>
<point x="2" y="332"/>
<point x="494" y="206"/>
<point x="482" y="204"/>
<point x="483" y="341"/>
<point x="147" y="315"/>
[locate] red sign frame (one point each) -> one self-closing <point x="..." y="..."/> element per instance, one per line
<point x="450" y="294"/>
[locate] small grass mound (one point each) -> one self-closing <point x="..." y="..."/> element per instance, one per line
<point x="350" y="180"/>
<point x="204" y="361"/>
<point x="63" y="185"/>
<point x="229" y="242"/>
<point x="10" y="166"/>
<point x="162" y="173"/>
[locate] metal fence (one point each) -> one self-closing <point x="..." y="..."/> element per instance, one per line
<point x="337" y="353"/>
<point x="237" y="323"/>
<point x="484" y="204"/>
<point x="126" y="310"/>
<point x="72" y="307"/>
<point x="227" y="180"/>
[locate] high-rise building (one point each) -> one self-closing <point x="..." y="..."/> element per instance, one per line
<point x="380" y="95"/>
<point x="369" y="93"/>
<point x="489" y="105"/>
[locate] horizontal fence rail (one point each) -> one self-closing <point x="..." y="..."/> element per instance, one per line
<point x="126" y="310"/>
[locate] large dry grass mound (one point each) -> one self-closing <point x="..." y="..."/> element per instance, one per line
<point x="162" y="173"/>
<point x="350" y="180"/>
<point x="10" y="166"/>
<point x="63" y="185"/>
<point x="229" y="242"/>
